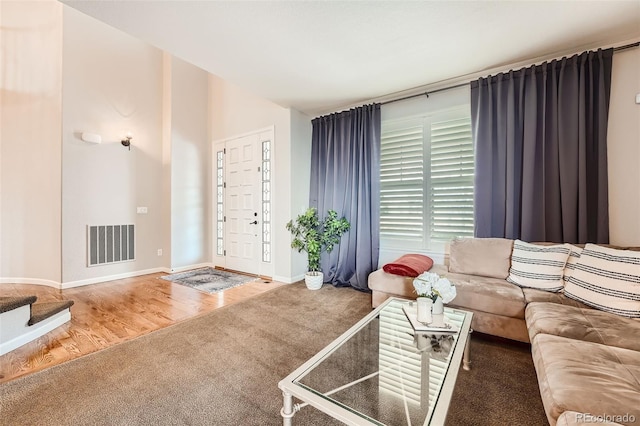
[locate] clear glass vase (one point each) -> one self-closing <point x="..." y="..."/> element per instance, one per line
<point x="424" y="310"/>
<point x="438" y="307"/>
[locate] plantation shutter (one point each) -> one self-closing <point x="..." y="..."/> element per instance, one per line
<point x="426" y="180"/>
<point x="402" y="182"/>
<point x="451" y="194"/>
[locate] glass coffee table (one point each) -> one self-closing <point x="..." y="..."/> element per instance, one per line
<point x="382" y="372"/>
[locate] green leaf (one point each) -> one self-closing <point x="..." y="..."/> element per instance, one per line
<point x="312" y="236"/>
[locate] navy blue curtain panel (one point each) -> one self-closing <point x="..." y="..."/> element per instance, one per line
<point x="540" y="138"/>
<point x="345" y="177"/>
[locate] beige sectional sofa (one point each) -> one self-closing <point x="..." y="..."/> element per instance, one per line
<point x="587" y="360"/>
<point x="478" y="268"/>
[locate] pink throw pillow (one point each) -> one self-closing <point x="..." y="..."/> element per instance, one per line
<point x="409" y="265"/>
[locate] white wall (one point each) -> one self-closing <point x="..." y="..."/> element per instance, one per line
<point x="300" y="177"/>
<point x="190" y="166"/>
<point x="624" y="150"/>
<point x="112" y="83"/>
<point x="30" y="151"/>
<point x="166" y="160"/>
<point x="234" y="112"/>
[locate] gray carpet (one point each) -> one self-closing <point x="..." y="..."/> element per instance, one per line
<point x="210" y="280"/>
<point x="501" y="388"/>
<point x="222" y="368"/>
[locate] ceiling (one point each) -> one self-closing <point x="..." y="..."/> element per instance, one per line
<point x="320" y="56"/>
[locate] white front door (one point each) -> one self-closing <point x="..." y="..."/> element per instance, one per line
<point x="242" y="200"/>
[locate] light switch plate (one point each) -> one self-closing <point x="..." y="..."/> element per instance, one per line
<point x="638" y="98"/>
<point x="142" y="210"/>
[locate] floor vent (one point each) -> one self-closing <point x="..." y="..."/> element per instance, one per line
<point x="110" y="244"/>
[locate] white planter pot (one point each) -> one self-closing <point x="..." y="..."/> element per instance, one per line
<point x="313" y="280"/>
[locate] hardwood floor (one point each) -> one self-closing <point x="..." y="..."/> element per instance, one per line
<point x="109" y="313"/>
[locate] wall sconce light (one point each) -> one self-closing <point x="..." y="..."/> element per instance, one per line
<point x="127" y="140"/>
<point x="91" y="137"/>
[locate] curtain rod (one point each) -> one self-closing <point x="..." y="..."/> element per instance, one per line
<point x="455" y="86"/>
<point x="626" y="46"/>
<point x="425" y="93"/>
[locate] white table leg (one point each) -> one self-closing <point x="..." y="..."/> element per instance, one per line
<point x="287" y="409"/>
<point x="466" y="363"/>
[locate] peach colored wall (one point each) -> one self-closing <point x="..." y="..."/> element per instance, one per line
<point x="30" y="144"/>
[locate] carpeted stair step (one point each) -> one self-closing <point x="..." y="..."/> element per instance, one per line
<point x="42" y="311"/>
<point x="10" y="303"/>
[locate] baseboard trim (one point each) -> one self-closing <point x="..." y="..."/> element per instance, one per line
<point x="97" y="280"/>
<point x="288" y="280"/>
<point x="190" y="267"/>
<point x="36" y="281"/>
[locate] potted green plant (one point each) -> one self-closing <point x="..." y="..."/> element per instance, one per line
<point x="314" y="236"/>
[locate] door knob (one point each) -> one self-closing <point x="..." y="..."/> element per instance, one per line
<point x="255" y="222"/>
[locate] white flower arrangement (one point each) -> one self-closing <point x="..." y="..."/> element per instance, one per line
<point x="432" y="285"/>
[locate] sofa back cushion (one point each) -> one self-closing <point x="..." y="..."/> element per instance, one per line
<point x="607" y="279"/>
<point x="487" y="257"/>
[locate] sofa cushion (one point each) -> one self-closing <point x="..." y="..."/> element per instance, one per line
<point x="491" y="295"/>
<point x="538" y="266"/>
<point x="607" y="279"/>
<point x="532" y="295"/>
<point x="586" y="324"/>
<point x="409" y="265"/>
<point x="586" y="377"/>
<point x="390" y="283"/>
<point x="487" y="257"/>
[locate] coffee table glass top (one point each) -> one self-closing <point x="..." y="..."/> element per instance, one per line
<point x="382" y="371"/>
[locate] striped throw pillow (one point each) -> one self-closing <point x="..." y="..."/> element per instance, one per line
<point x="537" y="266"/>
<point x="607" y="279"/>
<point x="574" y="256"/>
